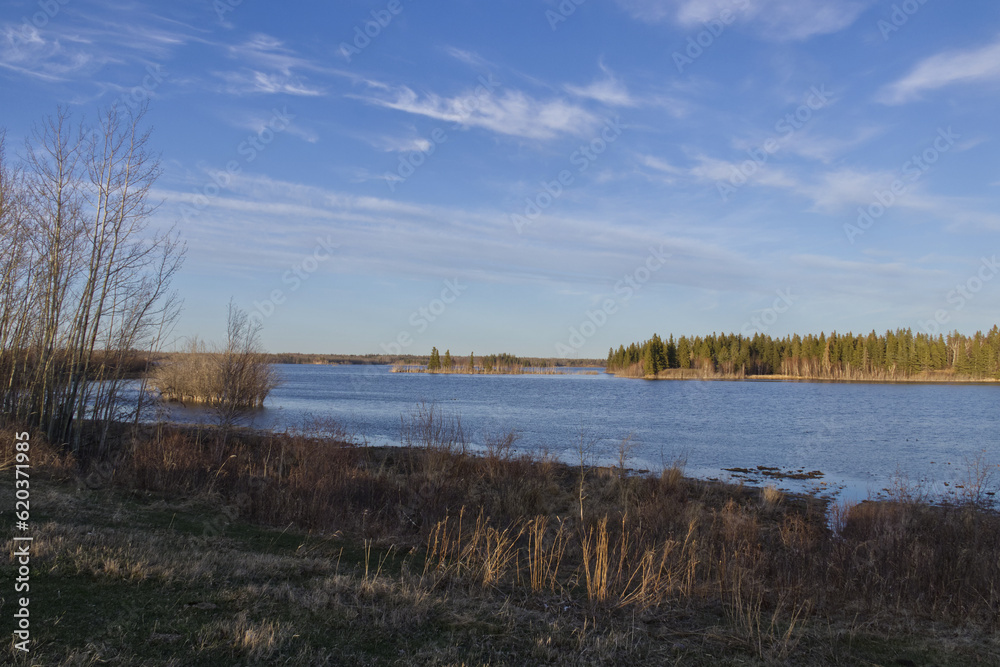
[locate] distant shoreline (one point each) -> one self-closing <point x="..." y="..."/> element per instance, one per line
<point x="517" y="370"/>
<point x="676" y="375"/>
<point x="694" y="375"/>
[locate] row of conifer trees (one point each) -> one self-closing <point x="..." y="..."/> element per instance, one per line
<point x="895" y="354"/>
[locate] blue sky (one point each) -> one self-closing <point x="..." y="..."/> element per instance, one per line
<point x="549" y="178"/>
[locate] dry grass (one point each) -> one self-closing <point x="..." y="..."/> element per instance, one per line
<point x="624" y="540"/>
<point x="771" y="496"/>
<point x="743" y="573"/>
<point x="229" y="379"/>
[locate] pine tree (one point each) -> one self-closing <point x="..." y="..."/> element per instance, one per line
<point x="435" y="361"/>
<point x="447" y="362"/>
<point x="472" y="363"/>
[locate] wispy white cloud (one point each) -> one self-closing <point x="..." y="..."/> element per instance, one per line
<point x="713" y="170"/>
<point x="650" y="11"/>
<point x="270" y="53"/>
<point x="826" y="149"/>
<point x="25" y="51"/>
<point x="250" y="82"/>
<point x="271" y="68"/>
<point x="945" y="69"/>
<point x="468" y="57"/>
<point x="659" y="164"/>
<point x="387" y="237"/>
<point x="654" y="169"/>
<point x="607" y="90"/>
<point x="841" y="191"/>
<point x="508" y="112"/>
<point x="777" y="20"/>
<point x="401" y="144"/>
<point x="81" y="47"/>
<point x="834" y="191"/>
<point x="258" y="123"/>
<point x="890" y="269"/>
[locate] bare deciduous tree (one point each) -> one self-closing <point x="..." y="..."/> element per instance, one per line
<point x="247" y="377"/>
<point x="85" y="294"/>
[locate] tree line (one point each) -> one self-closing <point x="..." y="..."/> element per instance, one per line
<point x="503" y="363"/>
<point x="898" y="354"/>
<point x="85" y="279"/>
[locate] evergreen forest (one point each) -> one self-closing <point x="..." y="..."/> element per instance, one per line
<point x="894" y="355"/>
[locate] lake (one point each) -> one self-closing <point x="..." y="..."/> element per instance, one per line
<point x="858" y="435"/>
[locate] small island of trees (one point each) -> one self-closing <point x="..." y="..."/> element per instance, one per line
<point x="490" y="364"/>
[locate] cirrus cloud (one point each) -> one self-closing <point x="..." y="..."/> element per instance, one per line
<point x="777" y="20"/>
<point x="945" y="69"/>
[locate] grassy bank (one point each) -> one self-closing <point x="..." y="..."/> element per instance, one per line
<point x="203" y="547"/>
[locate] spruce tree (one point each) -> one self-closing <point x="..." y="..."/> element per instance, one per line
<point x="683" y="353"/>
<point x="648" y="364"/>
<point x="446" y="362"/>
<point x="435" y="361"/>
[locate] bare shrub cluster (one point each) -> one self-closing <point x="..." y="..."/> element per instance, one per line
<point x="234" y="379"/>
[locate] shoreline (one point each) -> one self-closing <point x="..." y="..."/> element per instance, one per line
<point x="694" y="376"/>
<point x="528" y="370"/>
<point x="697" y="376"/>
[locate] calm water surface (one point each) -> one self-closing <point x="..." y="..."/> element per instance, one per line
<point x="858" y="435"/>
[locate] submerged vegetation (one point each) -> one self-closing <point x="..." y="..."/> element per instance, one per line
<point x="311" y="548"/>
<point x="895" y="355"/>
